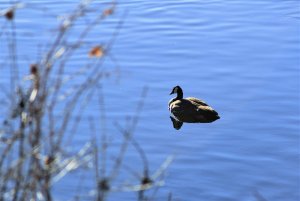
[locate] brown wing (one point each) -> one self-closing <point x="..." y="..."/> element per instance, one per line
<point x="197" y="101"/>
<point x="202" y="105"/>
<point x="184" y="110"/>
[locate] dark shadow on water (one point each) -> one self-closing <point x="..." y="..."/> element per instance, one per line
<point x="176" y="124"/>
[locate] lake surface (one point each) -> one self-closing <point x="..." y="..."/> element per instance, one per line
<point x="241" y="57"/>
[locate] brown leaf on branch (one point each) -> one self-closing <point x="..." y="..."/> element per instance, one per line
<point x="96" y="51"/>
<point x="9" y="14"/>
<point x="108" y="11"/>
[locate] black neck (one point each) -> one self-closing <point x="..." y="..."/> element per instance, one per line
<point x="179" y="94"/>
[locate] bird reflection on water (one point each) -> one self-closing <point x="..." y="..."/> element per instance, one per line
<point x="176" y="124"/>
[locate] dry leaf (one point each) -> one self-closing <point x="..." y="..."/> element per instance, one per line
<point x="96" y="51"/>
<point x="108" y="12"/>
<point x="9" y="14"/>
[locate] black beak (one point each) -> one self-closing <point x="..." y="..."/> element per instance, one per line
<point x="171" y="93"/>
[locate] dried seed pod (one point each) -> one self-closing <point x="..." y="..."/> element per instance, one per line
<point x="22" y="104"/>
<point x="33" y="69"/>
<point x="49" y="160"/>
<point x="103" y="185"/>
<point x="146" y="180"/>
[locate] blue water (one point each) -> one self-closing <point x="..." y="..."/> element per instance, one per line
<point x="241" y="57"/>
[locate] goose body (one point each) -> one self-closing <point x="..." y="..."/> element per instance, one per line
<point x="190" y="110"/>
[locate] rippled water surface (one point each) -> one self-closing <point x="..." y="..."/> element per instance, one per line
<point x="241" y="57"/>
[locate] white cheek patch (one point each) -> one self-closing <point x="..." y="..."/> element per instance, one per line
<point x="175" y="90"/>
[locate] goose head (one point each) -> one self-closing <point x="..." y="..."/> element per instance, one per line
<point x="177" y="89"/>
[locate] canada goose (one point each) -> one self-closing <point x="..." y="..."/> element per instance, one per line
<point x="189" y="110"/>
